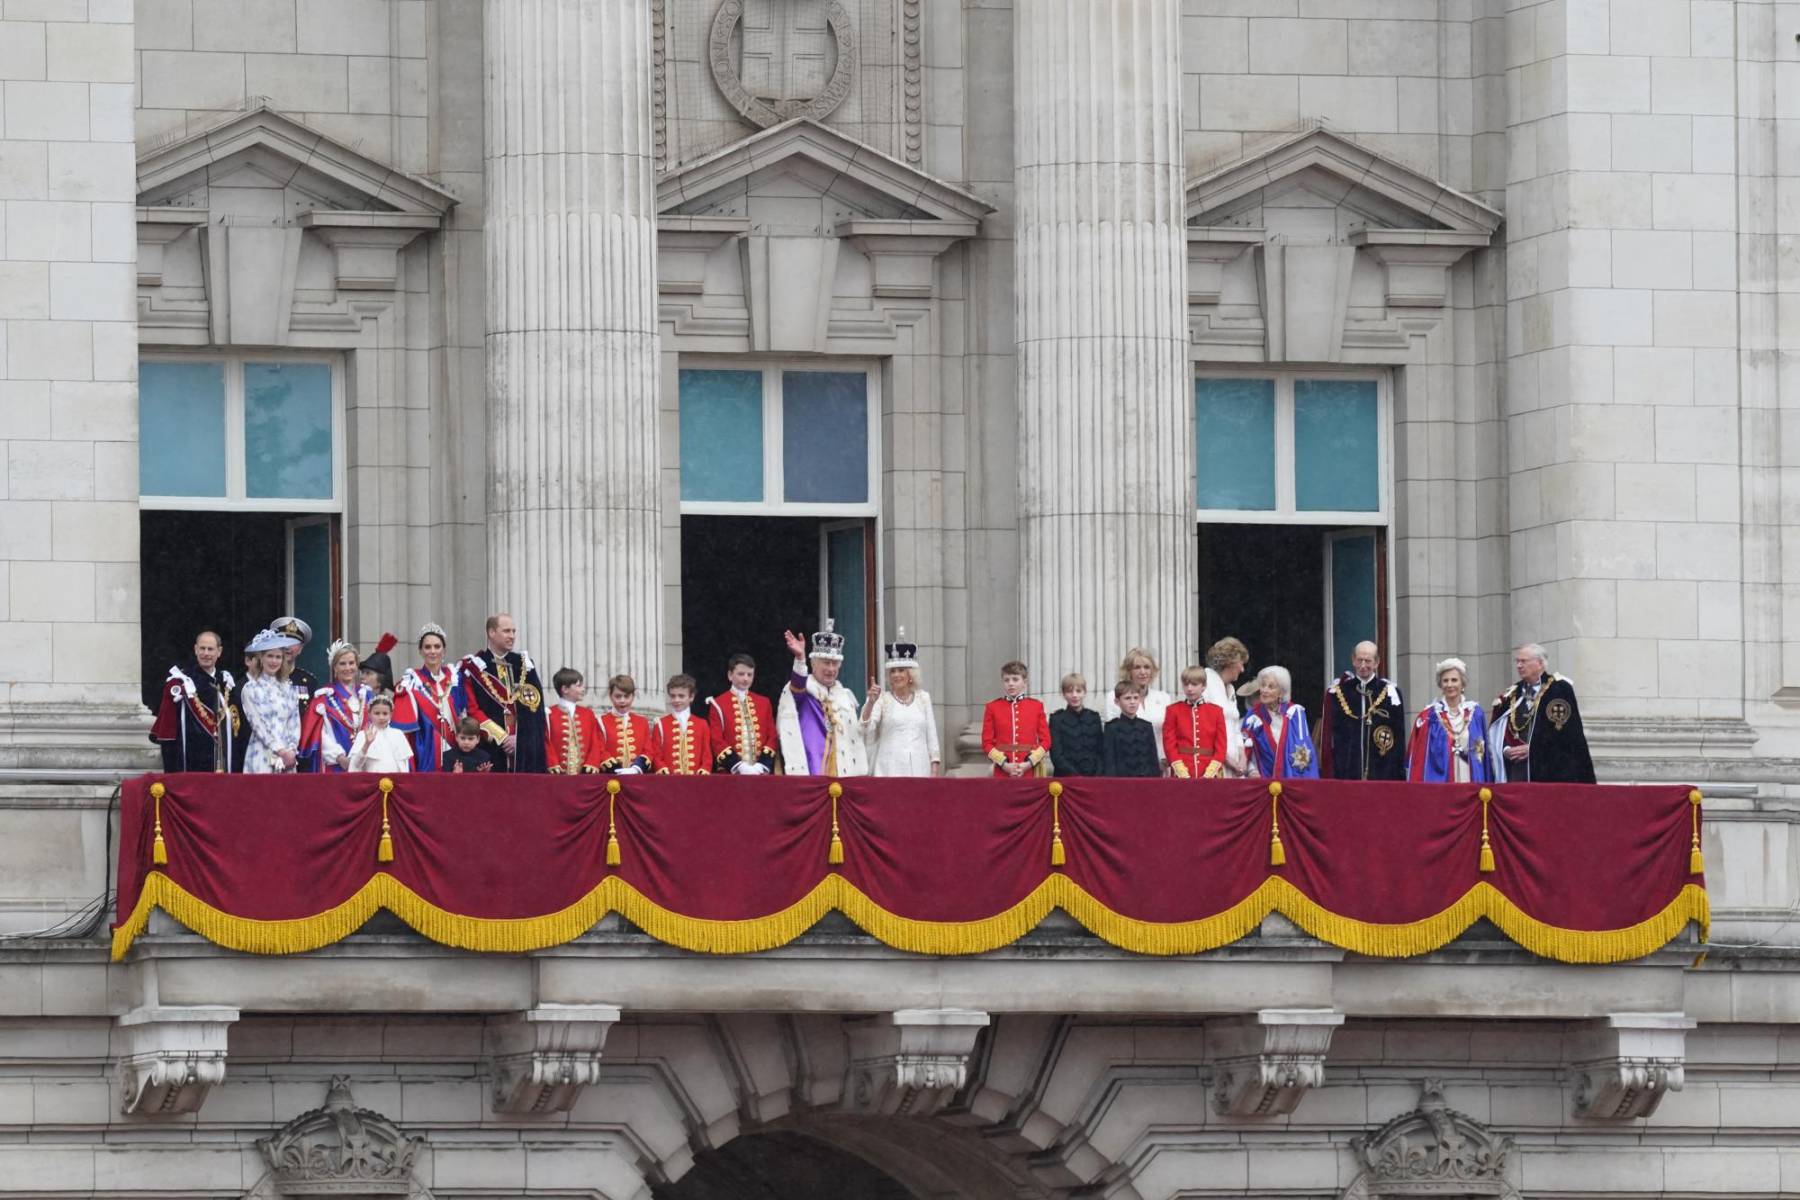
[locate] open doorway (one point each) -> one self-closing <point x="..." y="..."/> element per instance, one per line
<point x="234" y="572"/>
<point x="1299" y="596"/>
<point x="744" y="580"/>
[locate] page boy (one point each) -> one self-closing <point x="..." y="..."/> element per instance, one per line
<point x="1194" y="731"/>
<point x="742" y="723"/>
<point x="468" y="756"/>
<point x="1015" y="736"/>
<point x="1075" y="734"/>
<point x="575" y="739"/>
<point x="1129" y="744"/>
<point x="626" y="747"/>
<point x="683" y="740"/>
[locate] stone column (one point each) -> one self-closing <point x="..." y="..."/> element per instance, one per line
<point x="1106" y="493"/>
<point x="69" y="641"/>
<point x="572" y="369"/>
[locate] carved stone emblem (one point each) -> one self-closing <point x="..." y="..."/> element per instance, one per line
<point x="340" y="1149"/>
<point x="911" y="1062"/>
<point x="783" y="66"/>
<point x="1432" y="1151"/>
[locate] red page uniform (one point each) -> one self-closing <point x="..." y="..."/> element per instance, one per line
<point x="1194" y="739"/>
<point x="625" y="743"/>
<point x="576" y="743"/>
<point x="742" y="726"/>
<point x="683" y="747"/>
<point x="1015" y="731"/>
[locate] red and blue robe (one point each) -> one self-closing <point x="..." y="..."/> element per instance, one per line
<point x="1428" y="753"/>
<point x="1290" y="756"/>
<point x="427" y="707"/>
<point x="331" y="722"/>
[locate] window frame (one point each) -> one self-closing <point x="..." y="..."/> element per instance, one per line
<point x="236" y="497"/>
<point x="1286" y="511"/>
<point x="773" y="461"/>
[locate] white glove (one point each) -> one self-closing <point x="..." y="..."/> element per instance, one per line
<point x="743" y="768"/>
<point x="631" y="770"/>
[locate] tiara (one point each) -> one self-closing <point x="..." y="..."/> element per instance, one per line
<point x="338" y="647"/>
<point x="429" y="628"/>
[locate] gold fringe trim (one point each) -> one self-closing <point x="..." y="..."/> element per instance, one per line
<point x="613" y="894"/>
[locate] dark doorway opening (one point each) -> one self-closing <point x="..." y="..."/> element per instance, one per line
<point x="234" y="572"/>
<point x="744" y="580"/>
<point x="1291" y="593"/>
<point x="781" y="1166"/>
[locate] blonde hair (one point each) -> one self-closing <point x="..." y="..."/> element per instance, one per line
<point x="1226" y="651"/>
<point x="1193" y="674"/>
<point x="331" y="667"/>
<point x="1074" y="679"/>
<point x="1130" y="660"/>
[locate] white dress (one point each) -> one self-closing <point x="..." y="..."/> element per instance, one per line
<point x="386" y="751"/>
<point x="1225" y="696"/>
<point x="1156" y="704"/>
<point x="903" y="738"/>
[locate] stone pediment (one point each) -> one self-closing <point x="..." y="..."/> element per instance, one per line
<point x="263" y="150"/>
<point x="1321" y="169"/>
<point x="801" y="176"/>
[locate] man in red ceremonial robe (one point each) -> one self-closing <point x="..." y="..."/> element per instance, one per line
<point x="1194" y="738"/>
<point x="1015" y="733"/>
<point x="625" y="742"/>
<point x="575" y="738"/>
<point x="196" y="722"/>
<point x="742" y="723"/>
<point x="683" y="740"/>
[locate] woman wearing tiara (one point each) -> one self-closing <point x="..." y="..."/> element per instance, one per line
<point x="427" y="702"/>
<point x="337" y="713"/>
<point x="1449" y="737"/>
<point x="898" y="723"/>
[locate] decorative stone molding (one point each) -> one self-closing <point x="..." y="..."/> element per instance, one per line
<point x="912" y="85"/>
<point x="909" y="1063"/>
<point x="1432" y="1151"/>
<point x="773" y="111"/>
<point x="901" y="253"/>
<point x="367" y="244"/>
<point x="683" y="244"/>
<point x="1626" y="1063"/>
<point x="340" y="1150"/>
<point x="171" y="1057"/>
<point x="1417" y="261"/>
<point x="1263" y="1065"/>
<point x="659" y="82"/>
<point x="542" y="1058"/>
<point x="1209" y="251"/>
<point x="156" y="228"/>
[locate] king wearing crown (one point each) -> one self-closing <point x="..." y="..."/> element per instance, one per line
<point x="817" y="721"/>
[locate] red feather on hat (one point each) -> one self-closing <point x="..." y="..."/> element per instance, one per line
<point x="388" y="642"/>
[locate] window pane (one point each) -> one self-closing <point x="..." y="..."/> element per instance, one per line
<point x="825" y="437"/>
<point x="1337" y="447"/>
<point x="847" y="579"/>
<point x="1352" y="596"/>
<point x="1234" y="425"/>
<point x="181" y="429"/>
<point x="287" y="431"/>
<point x="721" y="435"/>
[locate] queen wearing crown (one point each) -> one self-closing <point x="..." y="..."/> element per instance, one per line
<point x="898" y="723"/>
<point x="817" y="722"/>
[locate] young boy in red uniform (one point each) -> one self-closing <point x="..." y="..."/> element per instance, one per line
<point x="1015" y="734"/>
<point x="1194" y="731"/>
<point x="742" y="723"/>
<point x="683" y="740"/>
<point x="626" y="747"/>
<point x="575" y="738"/>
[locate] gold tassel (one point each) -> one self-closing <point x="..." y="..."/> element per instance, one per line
<point x="159" y="853"/>
<point x="385" y="853"/>
<point x="612" y="828"/>
<point x="1058" y="856"/>
<point x="836" y="857"/>
<point x="1277" y="853"/>
<point x="1696" y="860"/>
<point x="1487" y="851"/>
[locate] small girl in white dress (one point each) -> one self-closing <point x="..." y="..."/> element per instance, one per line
<point x="379" y="747"/>
<point x="898" y="724"/>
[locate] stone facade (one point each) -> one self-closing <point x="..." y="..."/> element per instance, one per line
<point x="1555" y="237"/>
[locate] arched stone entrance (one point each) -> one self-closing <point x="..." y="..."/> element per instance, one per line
<point x="781" y="1165"/>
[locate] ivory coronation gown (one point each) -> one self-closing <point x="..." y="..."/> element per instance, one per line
<point x="904" y="736"/>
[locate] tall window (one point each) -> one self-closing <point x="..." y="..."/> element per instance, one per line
<point x="1293" y="495"/>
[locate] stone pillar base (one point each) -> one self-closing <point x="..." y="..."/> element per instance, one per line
<point x="76" y="736"/>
